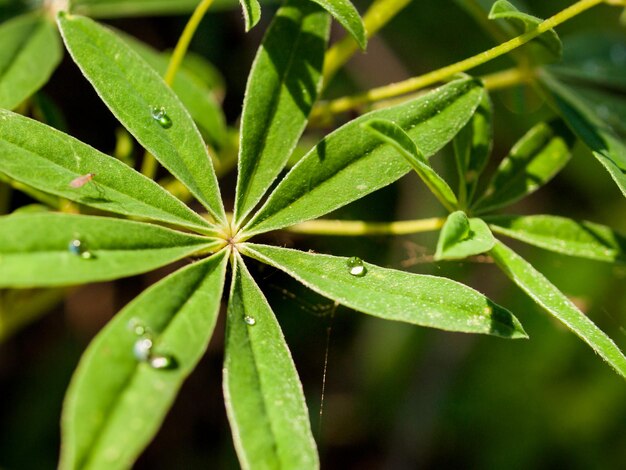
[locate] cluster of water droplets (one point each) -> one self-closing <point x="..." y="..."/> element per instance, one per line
<point x="143" y="348"/>
<point x="249" y="320"/>
<point x="78" y="247"/>
<point x="160" y="116"/>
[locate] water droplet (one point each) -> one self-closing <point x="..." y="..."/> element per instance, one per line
<point x="356" y="267"/>
<point x="160" y="116"/>
<point x="249" y="320"/>
<point x="79" y="248"/>
<point x="161" y="361"/>
<point x="142" y="349"/>
<point x="136" y="326"/>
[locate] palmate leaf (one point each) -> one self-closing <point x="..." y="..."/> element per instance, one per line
<point x="562" y="235"/>
<point x="391" y="133"/>
<point x="551" y="299"/>
<point x="31" y="50"/>
<point x="605" y="145"/>
<point x="36" y="251"/>
<point x="264" y="398"/>
<point x="282" y="87"/>
<point x="351" y="163"/>
<point x="116" y="403"/>
<point x="462" y="237"/>
<point x="533" y="161"/>
<point x="135" y="93"/>
<point x="422" y="300"/>
<point x="49" y="160"/>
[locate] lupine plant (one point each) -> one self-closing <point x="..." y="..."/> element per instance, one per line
<point x="105" y="220"/>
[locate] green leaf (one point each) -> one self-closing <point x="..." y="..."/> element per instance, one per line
<point x="125" y="8"/>
<point x="36" y="251"/>
<point x="391" y="133"/>
<point x="558" y="305"/>
<point x="422" y="300"/>
<point x="264" y="398"/>
<point x="251" y="13"/>
<point x="345" y="13"/>
<point x="523" y="23"/>
<point x="594" y="59"/>
<point x="462" y="237"/>
<point x="197" y="97"/>
<point x="607" y="147"/>
<point x="30" y="52"/>
<point x="116" y="403"/>
<point x="562" y="235"/>
<point x="283" y="85"/>
<point x="472" y="147"/>
<point x="533" y="161"/>
<point x="50" y="160"/>
<point x="133" y="91"/>
<point x="351" y="163"/>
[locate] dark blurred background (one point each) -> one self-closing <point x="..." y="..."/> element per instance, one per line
<point x="396" y="396"/>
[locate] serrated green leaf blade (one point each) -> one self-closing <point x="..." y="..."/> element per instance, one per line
<point x="472" y="147"/>
<point x="562" y="235"/>
<point x="115" y="403"/>
<point x="50" y="160"/>
<point x="345" y="13"/>
<point x="196" y="96"/>
<point x="264" y="398"/>
<point x="132" y="90"/>
<point x="533" y="161"/>
<point x="551" y="299"/>
<point x="351" y="163"/>
<point x="389" y="132"/>
<point x="461" y="237"/>
<point x="598" y="137"/>
<point x="251" y="13"/>
<point x="283" y="85"/>
<point x="31" y="50"/>
<point x="35" y="249"/>
<point x="422" y="300"/>
<point x="523" y="22"/>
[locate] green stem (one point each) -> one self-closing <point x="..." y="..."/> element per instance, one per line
<point x="185" y="39"/>
<point x="359" y="227"/>
<point x="149" y="165"/>
<point x="436" y="76"/>
<point x="378" y="15"/>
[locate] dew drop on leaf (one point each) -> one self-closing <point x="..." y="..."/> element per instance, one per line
<point x="160" y="116"/>
<point x="356" y="267"/>
<point x="161" y="361"/>
<point x="79" y="248"/>
<point x="142" y="349"/>
<point x="249" y="320"/>
<point x="136" y="326"/>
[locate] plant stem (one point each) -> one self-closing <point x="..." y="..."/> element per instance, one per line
<point x="378" y="15"/>
<point x="149" y="165"/>
<point x="359" y="227"/>
<point x="422" y="81"/>
<point x="183" y="42"/>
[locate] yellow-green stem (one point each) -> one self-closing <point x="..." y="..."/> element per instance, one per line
<point x="149" y="165"/>
<point x="378" y="15"/>
<point x="436" y="76"/>
<point x="359" y="227"/>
